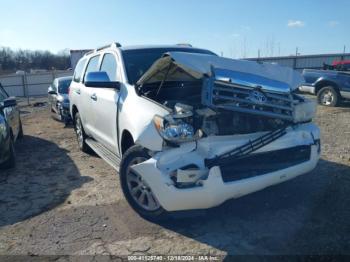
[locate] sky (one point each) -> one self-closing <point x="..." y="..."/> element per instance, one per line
<point x="234" y="28"/>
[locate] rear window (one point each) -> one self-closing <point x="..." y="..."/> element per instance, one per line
<point x="3" y="94"/>
<point x="63" y="86"/>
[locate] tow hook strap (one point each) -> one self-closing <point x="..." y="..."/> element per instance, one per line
<point x="247" y="148"/>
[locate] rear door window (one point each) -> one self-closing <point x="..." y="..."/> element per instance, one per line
<point x="63" y="86"/>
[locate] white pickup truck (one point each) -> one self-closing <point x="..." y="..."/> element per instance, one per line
<point x="188" y="129"/>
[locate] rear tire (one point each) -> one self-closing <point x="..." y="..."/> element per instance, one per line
<point x="138" y="194"/>
<point x="328" y="96"/>
<point x="81" y="136"/>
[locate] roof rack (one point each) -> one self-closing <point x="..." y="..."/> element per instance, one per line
<point x="184" y="44"/>
<point x="113" y="45"/>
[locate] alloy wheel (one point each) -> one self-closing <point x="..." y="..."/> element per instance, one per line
<point x="79" y="131"/>
<point x="327" y="97"/>
<point x="138" y="188"/>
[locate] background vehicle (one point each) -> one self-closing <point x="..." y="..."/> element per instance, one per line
<point x="59" y="99"/>
<point x="170" y="117"/>
<point x="343" y="65"/>
<point x="10" y="128"/>
<point x="330" y="86"/>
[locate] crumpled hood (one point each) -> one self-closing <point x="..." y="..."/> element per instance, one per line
<point x="249" y="73"/>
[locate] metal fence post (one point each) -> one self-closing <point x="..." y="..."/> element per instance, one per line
<point x="53" y="74"/>
<point x="26" y="91"/>
<point x="23" y="86"/>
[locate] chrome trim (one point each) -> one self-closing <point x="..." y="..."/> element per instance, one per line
<point x="232" y="96"/>
<point x="250" y="81"/>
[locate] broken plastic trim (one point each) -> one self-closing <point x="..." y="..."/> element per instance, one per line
<point x="247" y="148"/>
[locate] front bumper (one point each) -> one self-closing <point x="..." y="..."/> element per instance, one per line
<point x="63" y="108"/>
<point x="307" y="89"/>
<point x="212" y="190"/>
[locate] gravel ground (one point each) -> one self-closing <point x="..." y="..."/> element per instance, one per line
<point x="60" y="201"/>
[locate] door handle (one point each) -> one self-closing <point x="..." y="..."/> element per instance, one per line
<point x="77" y="91"/>
<point x="93" y="97"/>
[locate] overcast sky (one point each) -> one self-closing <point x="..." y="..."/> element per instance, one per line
<point x="235" y="28"/>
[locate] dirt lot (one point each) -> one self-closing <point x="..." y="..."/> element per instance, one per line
<point x="61" y="201"/>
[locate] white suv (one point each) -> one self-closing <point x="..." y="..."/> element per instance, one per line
<point x="188" y="129"/>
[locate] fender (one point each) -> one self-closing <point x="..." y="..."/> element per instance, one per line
<point x="135" y="114"/>
<point x="324" y="81"/>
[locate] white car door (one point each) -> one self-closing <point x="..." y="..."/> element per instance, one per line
<point x="104" y="106"/>
<point x="86" y="98"/>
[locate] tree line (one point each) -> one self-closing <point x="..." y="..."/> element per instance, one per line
<point x="13" y="60"/>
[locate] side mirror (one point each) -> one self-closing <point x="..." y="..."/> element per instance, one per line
<point x="9" y="102"/>
<point x="100" y="79"/>
<point x="51" y="91"/>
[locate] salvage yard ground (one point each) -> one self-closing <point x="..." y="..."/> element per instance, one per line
<point x="59" y="200"/>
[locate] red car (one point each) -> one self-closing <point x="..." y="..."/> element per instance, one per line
<point x="343" y="65"/>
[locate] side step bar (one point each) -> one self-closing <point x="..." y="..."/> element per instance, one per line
<point x="111" y="158"/>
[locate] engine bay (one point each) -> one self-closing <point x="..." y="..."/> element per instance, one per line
<point x="209" y="122"/>
<point x="184" y="100"/>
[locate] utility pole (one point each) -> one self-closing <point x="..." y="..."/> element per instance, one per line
<point x="245" y="47"/>
<point x="344" y="49"/>
<point x="279" y="49"/>
<point x="258" y="53"/>
<point x="296" y="51"/>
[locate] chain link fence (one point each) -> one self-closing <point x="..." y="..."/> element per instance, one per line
<point x="28" y="85"/>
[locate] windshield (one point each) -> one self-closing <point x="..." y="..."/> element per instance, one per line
<point x="138" y="61"/>
<point x="63" y="86"/>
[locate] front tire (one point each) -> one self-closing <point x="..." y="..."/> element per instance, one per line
<point x="328" y="96"/>
<point x="60" y="116"/>
<point x="81" y="136"/>
<point x="136" y="191"/>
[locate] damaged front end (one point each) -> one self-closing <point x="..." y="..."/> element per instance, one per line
<point x="235" y="127"/>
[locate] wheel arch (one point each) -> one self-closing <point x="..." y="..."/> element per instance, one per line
<point x="74" y="111"/>
<point x="323" y="83"/>
<point x="126" y="141"/>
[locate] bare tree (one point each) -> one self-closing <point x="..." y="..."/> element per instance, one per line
<point x="26" y="59"/>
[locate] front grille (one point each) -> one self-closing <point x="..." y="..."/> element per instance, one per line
<point x="236" y="97"/>
<point x="263" y="163"/>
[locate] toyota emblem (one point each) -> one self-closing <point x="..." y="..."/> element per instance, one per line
<point x="257" y="97"/>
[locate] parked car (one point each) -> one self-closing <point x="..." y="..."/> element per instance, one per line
<point x="10" y="129"/>
<point x="188" y="129"/>
<point x="342" y="65"/>
<point x="330" y="86"/>
<point x="59" y="99"/>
